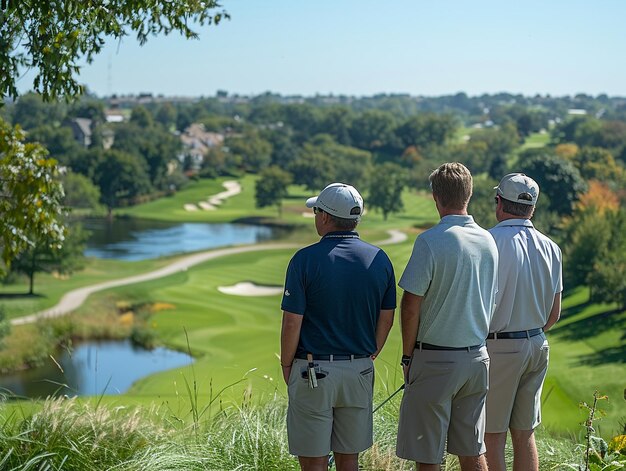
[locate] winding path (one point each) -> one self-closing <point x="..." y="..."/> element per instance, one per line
<point x="73" y="299"/>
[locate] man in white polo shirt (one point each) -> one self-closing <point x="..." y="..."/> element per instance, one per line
<point x="449" y="289"/>
<point x="528" y="304"/>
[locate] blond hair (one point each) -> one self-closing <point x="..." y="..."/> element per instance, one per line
<point x="452" y="184"/>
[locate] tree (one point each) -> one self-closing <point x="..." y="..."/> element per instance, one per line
<point x="588" y="233"/>
<point x="44" y="257"/>
<point x="498" y="144"/>
<point x="252" y="151"/>
<point x="30" y="196"/>
<point x="166" y="115"/>
<point x="608" y="280"/>
<point x="481" y="205"/>
<point x="426" y="130"/>
<point x="58" y="140"/>
<point x="557" y="178"/>
<point x="80" y="192"/>
<point x="54" y="37"/>
<point x="598" y="163"/>
<point x="154" y="144"/>
<point x="312" y="168"/>
<point x="121" y="177"/>
<point x="385" y="189"/>
<point x="141" y="117"/>
<point x="372" y="130"/>
<point x="350" y="165"/>
<point x="90" y="109"/>
<point x="271" y="187"/>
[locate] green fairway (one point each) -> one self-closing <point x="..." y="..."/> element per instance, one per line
<point x="535" y="140"/>
<point x="49" y="288"/>
<point x="587" y="354"/>
<point x="419" y="209"/>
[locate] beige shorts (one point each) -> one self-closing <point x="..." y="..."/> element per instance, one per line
<point x="444" y="399"/>
<point x="518" y="368"/>
<point x="335" y="416"/>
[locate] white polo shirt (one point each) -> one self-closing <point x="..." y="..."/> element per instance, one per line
<point x="453" y="266"/>
<point x="529" y="276"/>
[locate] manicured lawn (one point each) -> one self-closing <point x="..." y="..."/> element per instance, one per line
<point x="49" y="288"/>
<point x="587" y="353"/>
<point x="171" y="208"/>
<point x="536" y="139"/>
<point x="418" y="208"/>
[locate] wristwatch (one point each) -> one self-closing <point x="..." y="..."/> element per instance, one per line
<point x="406" y="359"/>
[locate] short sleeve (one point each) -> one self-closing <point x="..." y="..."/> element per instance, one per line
<point x="558" y="273"/>
<point x="389" y="297"/>
<point x="419" y="270"/>
<point x="294" y="296"/>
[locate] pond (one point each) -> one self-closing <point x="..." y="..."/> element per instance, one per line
<point x="138" y="239"/>
<point x="93" y="368"/>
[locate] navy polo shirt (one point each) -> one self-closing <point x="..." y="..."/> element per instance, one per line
<point x="339" y="285"/>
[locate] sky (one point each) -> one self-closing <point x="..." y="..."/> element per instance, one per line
<point x="365" y="47"/>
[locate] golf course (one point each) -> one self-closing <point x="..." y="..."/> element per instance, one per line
<point x="235" y="339"/>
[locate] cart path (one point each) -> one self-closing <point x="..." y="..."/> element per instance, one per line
<point x="74" y="299"/>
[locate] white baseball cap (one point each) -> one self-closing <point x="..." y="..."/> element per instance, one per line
<point x="518" y="188"/>
<point x="340" y="200"/>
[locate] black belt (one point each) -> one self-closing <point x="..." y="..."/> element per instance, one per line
<point x="428" y="346"/>
<point x="520" y="334"/>
<point x="333" y="357"/>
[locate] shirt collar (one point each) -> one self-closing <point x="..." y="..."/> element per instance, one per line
<point x="457" y="219"/>
<point x="515" y="222"/>
<point x="341" y="235"/>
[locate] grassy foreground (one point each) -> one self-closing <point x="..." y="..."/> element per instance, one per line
<point x="87" y="436"/>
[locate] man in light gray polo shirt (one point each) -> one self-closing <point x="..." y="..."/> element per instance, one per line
<point x="449" y="291"/>
<point x="528" y="303"/>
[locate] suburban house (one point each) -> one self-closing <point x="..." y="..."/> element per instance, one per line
<point x="196" y="143"/>
<point x="81" y="128"/>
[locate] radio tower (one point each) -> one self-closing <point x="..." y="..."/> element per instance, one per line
<point x="109" y="78"/>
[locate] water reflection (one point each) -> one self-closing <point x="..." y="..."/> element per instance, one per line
<point x="93" y="368"/>
<point x="137" y="239"/>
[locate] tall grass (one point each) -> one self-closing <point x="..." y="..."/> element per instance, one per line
<point x="70" y="434"/>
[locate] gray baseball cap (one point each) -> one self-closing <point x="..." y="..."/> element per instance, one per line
<point x="340" y="200"/>
<point x="518" y="188"/>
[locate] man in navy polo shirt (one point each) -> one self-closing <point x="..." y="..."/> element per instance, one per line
<point x="338" y="308"/>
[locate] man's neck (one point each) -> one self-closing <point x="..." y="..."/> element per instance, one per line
<point x="507" y="216"/>
<point x="452" y="212"/>
<point x="333" y="229"/>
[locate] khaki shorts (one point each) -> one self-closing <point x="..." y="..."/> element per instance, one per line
<point x="444" y="399"/>
<point x="518" y="368"/>
<point x="335" y="416"/>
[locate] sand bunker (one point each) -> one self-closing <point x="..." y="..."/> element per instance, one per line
<point x="232" y="188"/>
<point x="246" y="288"/>
<point x="206" y="206"/>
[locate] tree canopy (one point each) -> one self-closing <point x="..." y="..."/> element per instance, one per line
<point x="30" y="196"/>
<point x="52" y="37"/>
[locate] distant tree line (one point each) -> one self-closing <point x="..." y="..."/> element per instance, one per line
<point x="381" y="144"/>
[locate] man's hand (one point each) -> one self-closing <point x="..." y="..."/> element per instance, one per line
<point x="286" y="373"/>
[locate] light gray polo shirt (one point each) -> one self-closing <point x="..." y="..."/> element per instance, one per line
<point x="453" y="266"/>
<point x="529" y="276"/>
